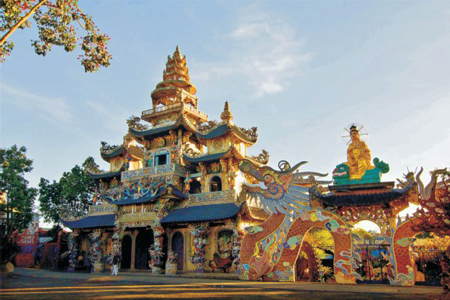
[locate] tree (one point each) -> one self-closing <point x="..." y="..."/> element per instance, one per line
<point x="364" y="234"/>
<point x="58" y="23"/>
<point x="71" y="196"/>
<point x="20" y="198"/>
<point x="322" y="241"/>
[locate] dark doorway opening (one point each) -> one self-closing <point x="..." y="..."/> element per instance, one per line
<point x="178" y="248"/>
<point x="195" y="187"/>
<point x="143" y="241"/>
<point x="126" y="252"/>
<point x="216" y="184"/>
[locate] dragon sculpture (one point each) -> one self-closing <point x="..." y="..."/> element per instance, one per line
<point x="433" y="215"/>
<point x="269" y="251"/>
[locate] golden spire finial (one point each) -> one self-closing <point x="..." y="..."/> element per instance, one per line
<point x="177" y="53"/>
<point x="226" y="114"/>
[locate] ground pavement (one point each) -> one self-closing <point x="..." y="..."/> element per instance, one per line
<point x="26" y="284"/>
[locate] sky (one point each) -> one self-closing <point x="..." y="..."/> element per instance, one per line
<point x="300" y="71"/>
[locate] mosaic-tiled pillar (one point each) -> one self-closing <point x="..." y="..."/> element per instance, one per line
<point x="95" y="250"/>
<point x="156" y="250"/>
<point x="73" y="244"/>
<point x="200" y="239"/>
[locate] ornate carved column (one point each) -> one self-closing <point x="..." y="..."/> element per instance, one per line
<point x="74" y="241"/>
<point x="200" y="239"/>
<point x="156" y="250"/>
<point x="133" y="249"/>
<point x="237" y="239"/>
<point x="95" y="250"/>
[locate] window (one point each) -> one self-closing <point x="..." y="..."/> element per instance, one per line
<point x="161" y="159"/>
<point x="216" y="184"/>
<point x="195" y="187"/>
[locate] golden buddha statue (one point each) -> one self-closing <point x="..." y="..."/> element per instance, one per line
<point x="358" y="155"/>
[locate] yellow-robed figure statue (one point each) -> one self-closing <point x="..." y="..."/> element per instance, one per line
<point x="358" y="155"/>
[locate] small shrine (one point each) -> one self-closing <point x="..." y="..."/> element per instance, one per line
<point x="170" y="199"/>
<point x="296" y="203"/>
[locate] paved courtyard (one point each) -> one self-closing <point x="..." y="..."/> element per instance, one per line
<point x="42" y="284"/>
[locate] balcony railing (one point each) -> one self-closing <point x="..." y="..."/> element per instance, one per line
<point x="102" y="209"/>
<point x="195" y="111"/>
<point x="176" y="106"/>
<point x="219" y="197"/>
<point x="155" y="110"/>
<point x="138" y="217"/>
<point x="154" y="171"/>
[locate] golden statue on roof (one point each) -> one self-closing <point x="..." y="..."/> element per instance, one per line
<point x="359" y="168"/>
<point x="358" y="155"/>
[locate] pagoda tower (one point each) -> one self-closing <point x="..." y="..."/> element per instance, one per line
<point x="175" y="95"/>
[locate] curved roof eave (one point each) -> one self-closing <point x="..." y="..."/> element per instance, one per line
<point x="243" y="136"/>
<point x="91" y="222"/>
<point x="219" y="130"/>
<point x="110" y="154"/>
<point x="208" y="157"/>
<point x="104" y="175"/>
<point x="150" y="133"/>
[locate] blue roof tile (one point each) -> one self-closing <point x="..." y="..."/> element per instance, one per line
<point x="126" y="200"/>
<point x="114" y="153"/>
<point x="202" y="213"/>
<point x="218" y="131"/>
<point x="205" y="157"/>
<point x="104" y="175"/>
<point x="91" y="222"/>
<point x="149" y="132"/>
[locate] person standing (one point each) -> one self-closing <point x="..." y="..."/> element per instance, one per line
<point x="116" y="261"/>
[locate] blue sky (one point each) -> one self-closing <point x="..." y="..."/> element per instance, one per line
<point x="300" y="71"/>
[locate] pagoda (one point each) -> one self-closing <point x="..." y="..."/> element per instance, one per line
<point x="170" y="199"/>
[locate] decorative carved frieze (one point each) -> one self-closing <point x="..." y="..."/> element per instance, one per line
<point x="157" y="170"/>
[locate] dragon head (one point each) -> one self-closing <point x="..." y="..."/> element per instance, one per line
<point x="341" y="171"/>
<point x="273" y="184"/>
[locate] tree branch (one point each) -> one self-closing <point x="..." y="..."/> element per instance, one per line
<point x="23" y="20"/>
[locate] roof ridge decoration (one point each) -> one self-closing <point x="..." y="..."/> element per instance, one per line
<point x="249" y="133"/>
<point x="182" y="120"/>
<point x="134" y="122"/>
<point x="226" y="115"/>
<point x="207" y="156"/>
<point x="262" y="158"/>
<point x="107" y="148"/>
<point x="207" y="126"/>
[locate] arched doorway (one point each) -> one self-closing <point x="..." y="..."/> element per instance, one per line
<point x="126" y="252"/>
<point x="195" y="187"/>
<point x="216" y="184"/>
<point x="373" y="251"/>
<point x="306" y="266"/>
<point x="144" y="240"/>
<point x="178" y="248"/>
<point x="315" y="260"/>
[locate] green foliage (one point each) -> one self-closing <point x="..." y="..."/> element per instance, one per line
<point x="8" y="250"/>
<point x="71" y="196"/>
<point x="59" y="23"/>
<point x="54" y="231"/>
<point x="90" y="165"/>
<point x="321" y="240"/>
<point x="364" y="234"/>
<point x="20" y="197"/>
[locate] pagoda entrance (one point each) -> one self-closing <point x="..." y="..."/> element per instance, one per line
<point x="178" y="248"/>
<point x="315" y="260"/>
<point x="373" y="251"/>
<point x="126" y="252"/>
<point x="144" y="240"/>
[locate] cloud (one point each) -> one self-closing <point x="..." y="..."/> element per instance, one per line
<point x="262" y="51"/>
<point x="112" y="116"/>
<point x="51" y="109"/>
